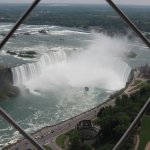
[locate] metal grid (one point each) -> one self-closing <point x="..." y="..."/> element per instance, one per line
<point x="2" y="112"/>
<point x="136" y="120"/>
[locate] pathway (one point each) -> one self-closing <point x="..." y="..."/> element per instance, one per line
<point x="49" y="139"/>
<point x="137" y="142"/>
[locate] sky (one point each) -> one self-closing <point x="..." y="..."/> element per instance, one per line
<point x="130" y="2"/>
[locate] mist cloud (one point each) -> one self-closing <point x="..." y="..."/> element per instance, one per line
<point x="91" y="67"/>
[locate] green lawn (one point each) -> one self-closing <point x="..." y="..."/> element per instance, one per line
<point x="144" y="132"/>
<point x="47" y="147"/>
<point x="137" y="82"/>
<point x="60" y="140"/>
<point x="141" y="86"/>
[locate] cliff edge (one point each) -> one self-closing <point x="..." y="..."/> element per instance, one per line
<point x="6" y="81"/>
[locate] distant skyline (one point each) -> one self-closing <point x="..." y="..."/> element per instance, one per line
<point x="129" y="2"/>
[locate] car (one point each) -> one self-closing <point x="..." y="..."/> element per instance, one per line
<point x="37" y="137"/>
<point x="45" y="135"/>
<point x="50" y="132"/>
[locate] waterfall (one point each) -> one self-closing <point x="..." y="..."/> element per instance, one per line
<point x="79" y="70"/>
<point x="123" y="70"/>
<point x="26" y="72"/>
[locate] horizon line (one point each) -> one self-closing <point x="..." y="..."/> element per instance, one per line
<point x="74" y="3"/>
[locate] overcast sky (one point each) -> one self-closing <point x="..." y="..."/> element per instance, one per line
<point x="132" y="2"/>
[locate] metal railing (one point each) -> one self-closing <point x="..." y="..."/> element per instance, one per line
<point x="2" y="112"/>
<point x="127" y="20"/>
<point x="147" y="104"/>
<point x="136" y="120"/>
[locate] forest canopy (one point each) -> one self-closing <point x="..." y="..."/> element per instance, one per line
<point x="79" y="15"/>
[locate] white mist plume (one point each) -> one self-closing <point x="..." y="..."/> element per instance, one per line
<point x="91" y="67"/>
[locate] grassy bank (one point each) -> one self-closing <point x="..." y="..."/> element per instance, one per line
<point x="61" y="138"/>
<point x="141" y="86"/>
<point x="143" y="133"/>
<point x="47" y="147"/>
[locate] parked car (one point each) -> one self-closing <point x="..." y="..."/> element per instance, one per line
<point x="37" y="137"/>
<point x="45" y="135"/>
<point x="50" y="132"/>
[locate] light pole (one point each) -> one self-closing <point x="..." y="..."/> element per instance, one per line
<point x="68" y="126"/>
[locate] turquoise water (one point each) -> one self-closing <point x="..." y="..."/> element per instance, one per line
<point x="57" y="93"/>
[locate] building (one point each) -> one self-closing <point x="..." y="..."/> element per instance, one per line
<point x="88" y="132"/>
<point x="96" y="29"/>
<point x="145" y="70"/>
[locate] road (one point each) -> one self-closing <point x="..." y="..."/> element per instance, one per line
<point x="58" y="129"/>
<point x="137" y="76"/>
<point x="66" y="125"/>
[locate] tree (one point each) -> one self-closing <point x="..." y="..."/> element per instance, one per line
<point x="88" y="147"/>
<point x="99" y="114"/>
<point x="75" y="141"/>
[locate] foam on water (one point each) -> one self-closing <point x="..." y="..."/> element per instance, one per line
<point x="65" y="32"/>
<point x="58" y="77"/>
<point x="54" y="69"/>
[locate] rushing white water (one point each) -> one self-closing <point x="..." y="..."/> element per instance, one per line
<point x="26" y="72"/>
<point x="123" y="70"/>
<point x="54" y="68"/>
<point x="71" y="60"/>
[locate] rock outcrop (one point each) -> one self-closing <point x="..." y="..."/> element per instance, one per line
<point x="6" y="81"/>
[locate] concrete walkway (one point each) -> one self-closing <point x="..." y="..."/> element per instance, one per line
<point x="137" y="142"/>
<point x="58" y="129"/>
<point x="66" y="125"/>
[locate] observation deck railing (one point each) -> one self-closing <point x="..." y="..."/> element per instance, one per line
<point x="138" y="117"/>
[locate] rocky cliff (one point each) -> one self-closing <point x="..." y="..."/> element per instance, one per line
<point x="6" y="81"/>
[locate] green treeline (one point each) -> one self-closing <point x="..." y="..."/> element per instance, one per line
<point x="80" y="16"/>
<point x="114" y="121"/>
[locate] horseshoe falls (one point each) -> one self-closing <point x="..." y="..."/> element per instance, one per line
<point x="67" y="60"/>
<point x="77" y="71"/>
<point x="26" y="72"/>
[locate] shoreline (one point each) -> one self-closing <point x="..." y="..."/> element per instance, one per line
<point x="104" y="104"/>
<point x="13" y="91"/>
<point x="108" y="102"/>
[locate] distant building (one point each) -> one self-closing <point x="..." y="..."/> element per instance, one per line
<point x="96" y="29"/>
<point x="145" y="70"/>
<point x="88" y="132"/>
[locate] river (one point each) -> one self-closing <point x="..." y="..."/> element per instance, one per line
<point x="67" y="60"/>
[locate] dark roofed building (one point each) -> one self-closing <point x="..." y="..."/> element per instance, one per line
<point x="85" y="124"/>
<point x="88" y="132"/>
<point x="145" y="70"/>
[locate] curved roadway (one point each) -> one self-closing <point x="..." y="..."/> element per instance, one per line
<point x="49" y="139"/>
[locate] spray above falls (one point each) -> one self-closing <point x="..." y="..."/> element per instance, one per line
<point x="96" y="66"/>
